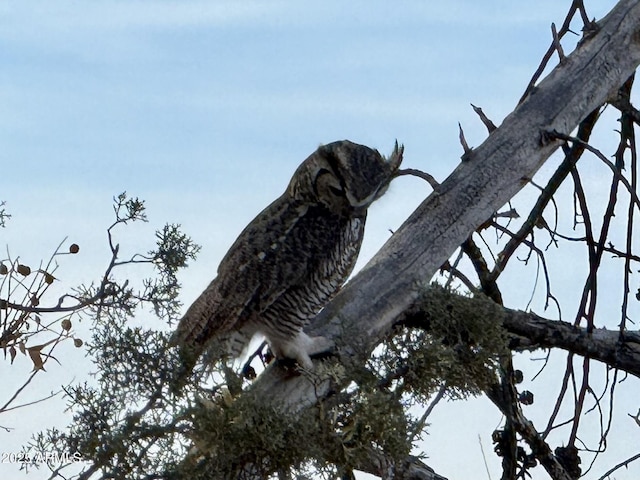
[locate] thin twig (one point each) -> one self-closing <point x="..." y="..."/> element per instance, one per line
<point x="556" y="43"/>
<point x="625" y="464"/>
<point x="53" y="394"/>
<point x="421" y="422"/>
<point x="463" y="141"/>
<point x="487" y="122"/>
<point x="420" y="174"/>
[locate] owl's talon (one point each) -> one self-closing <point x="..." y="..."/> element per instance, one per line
<point x="301" y="348"/>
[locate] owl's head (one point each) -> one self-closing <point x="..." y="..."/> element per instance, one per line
<point x="344" y="176"/>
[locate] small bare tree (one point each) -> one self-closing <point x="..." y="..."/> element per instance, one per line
<point x="35" y="326"/>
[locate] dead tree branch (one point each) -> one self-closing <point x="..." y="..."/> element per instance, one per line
<point x="529" y="331"/>
<point x="362" y="314"/>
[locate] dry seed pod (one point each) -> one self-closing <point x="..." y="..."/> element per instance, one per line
<point x="23" y="270"/>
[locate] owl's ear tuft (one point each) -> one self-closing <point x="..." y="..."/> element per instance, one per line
<point x="395" y="159"/>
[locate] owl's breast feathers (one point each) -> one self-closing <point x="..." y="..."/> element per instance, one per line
<point x="291" y="254"/>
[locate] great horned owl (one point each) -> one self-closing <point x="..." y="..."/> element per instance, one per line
<point x="291" y="259"/>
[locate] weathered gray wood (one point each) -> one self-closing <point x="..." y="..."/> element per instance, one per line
<point x="412" y="469"/>
<point x="367" y="307"/>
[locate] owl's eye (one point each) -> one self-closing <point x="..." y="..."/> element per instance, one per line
<point x="338" y="192"/>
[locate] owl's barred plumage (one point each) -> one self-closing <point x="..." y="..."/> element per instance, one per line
<point x="292" y="258"/>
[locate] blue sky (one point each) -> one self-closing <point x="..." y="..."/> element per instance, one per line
<point x="204" y="109"/>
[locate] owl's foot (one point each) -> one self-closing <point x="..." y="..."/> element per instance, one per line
<point x="302" y="348"/>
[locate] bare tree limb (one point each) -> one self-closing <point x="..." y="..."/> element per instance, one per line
<point x="616" y="349"/>
<point x="529" y="331"/>
<point x="412" y="468"/>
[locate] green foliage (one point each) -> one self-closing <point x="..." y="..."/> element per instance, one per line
<point x="236" y="436"/>
<point x="132" y="425"/>
<point x="4" y="216"/>
<point x="370" y="417"/>
<point x="458" y="342"/>
<point x="124" y="409"/>
<point x="174" y="250"/>
<point x="127" y="423"/>
<point x="246" y="436"/>
<point x="129" y="209"/>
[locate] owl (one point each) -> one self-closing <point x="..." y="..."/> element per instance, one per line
<point x="291" y="259"/>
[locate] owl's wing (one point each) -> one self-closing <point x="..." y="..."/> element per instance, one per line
<point x="254" y="272"/>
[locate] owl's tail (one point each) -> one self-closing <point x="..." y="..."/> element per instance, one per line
<point x="197" y="328"/>
<point x="224" y="346"/>
<point x="186" y="356"/>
